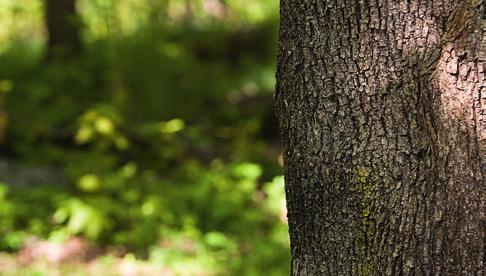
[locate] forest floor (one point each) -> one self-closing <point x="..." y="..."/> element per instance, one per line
<point x="73" y="257"/>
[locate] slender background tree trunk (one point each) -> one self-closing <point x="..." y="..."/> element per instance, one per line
<point x="63" y="27"/>
<point x="381" y="106"/>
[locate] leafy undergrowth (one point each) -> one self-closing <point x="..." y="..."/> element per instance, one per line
<point x="224" y="226"/>
<point x="165" y="137"/>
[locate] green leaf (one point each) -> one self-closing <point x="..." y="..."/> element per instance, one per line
<point x="89" y="183"/>
<point x="248" y="171"/>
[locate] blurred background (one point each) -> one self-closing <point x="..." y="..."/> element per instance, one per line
<point x="137" y="137"/>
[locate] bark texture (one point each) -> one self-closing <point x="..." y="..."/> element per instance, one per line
<point x="381" y="106"/>
<point x="63" y="27"/>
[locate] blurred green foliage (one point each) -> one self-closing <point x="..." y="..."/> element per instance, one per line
<point x="163" y="125"/>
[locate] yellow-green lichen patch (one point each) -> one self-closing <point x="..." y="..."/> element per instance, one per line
<point x="365" y="188"/>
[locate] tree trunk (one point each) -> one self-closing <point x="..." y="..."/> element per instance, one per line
<point x="63" y="27"/>
<point x="381" y="106"/>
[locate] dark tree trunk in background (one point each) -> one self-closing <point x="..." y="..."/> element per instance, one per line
<point x="381" y="106"/>
<point x="63" y="26"/>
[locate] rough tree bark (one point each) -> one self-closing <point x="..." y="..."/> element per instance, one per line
<point x="381" y="106"/>
<point x="63" y="27"/>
